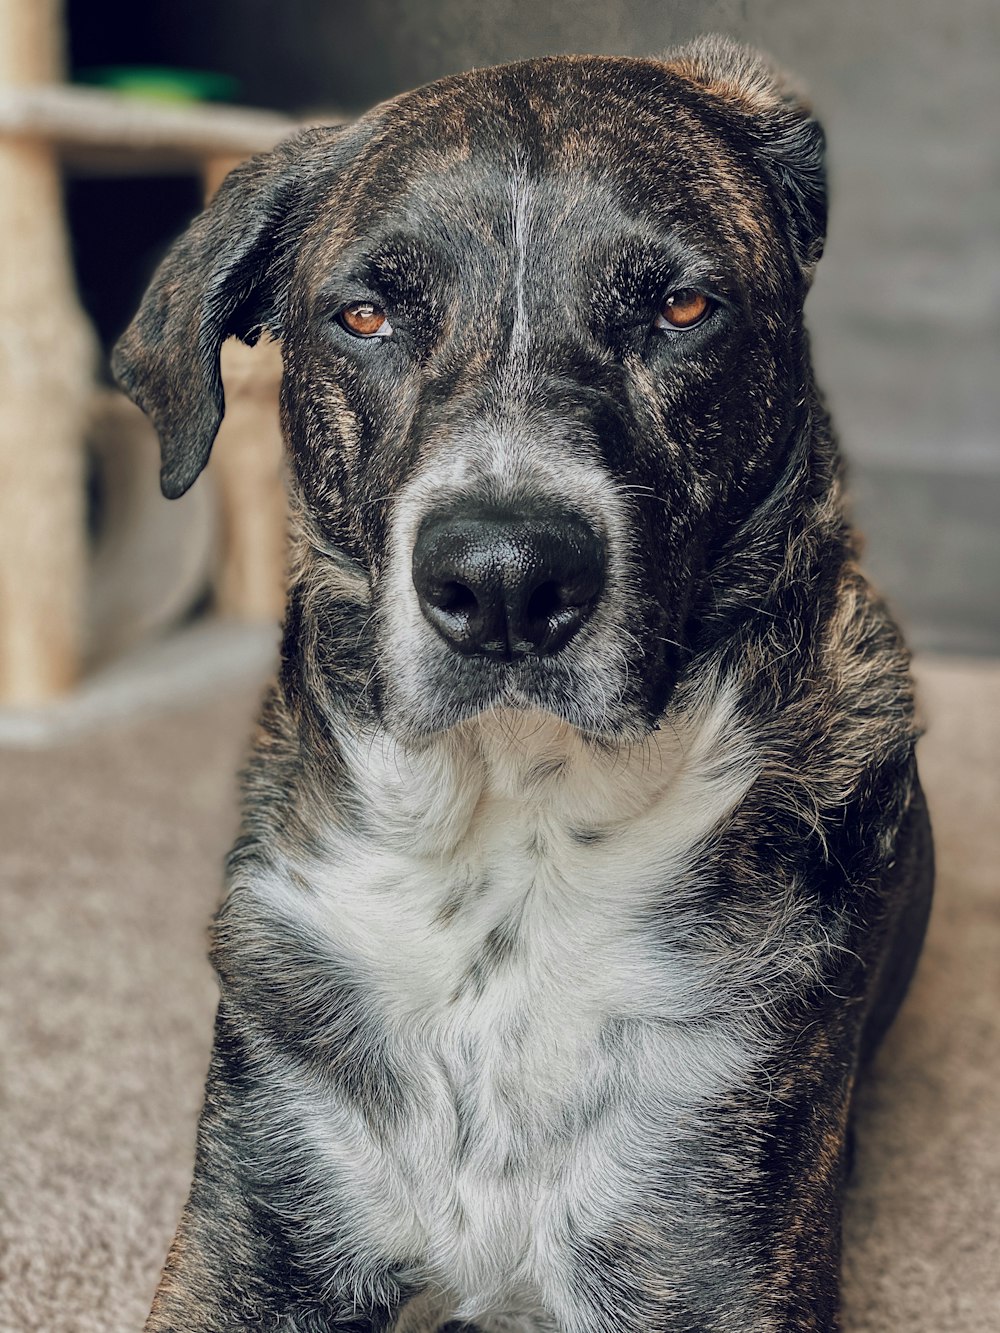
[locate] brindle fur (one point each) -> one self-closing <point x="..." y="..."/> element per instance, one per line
<point x="813" y="894"/>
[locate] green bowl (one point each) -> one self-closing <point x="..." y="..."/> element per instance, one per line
<point x="159" y="84"/>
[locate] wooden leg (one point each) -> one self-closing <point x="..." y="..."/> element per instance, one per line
<point x="46" y="360"/>
<point x="247" y="467"/>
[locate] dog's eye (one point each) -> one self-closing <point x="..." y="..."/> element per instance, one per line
<point x="365" y="320"/>
<point x="683" y="309"/>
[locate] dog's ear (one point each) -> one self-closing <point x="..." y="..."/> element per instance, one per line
<point x="225" y="277"/>
<point x="788" y="138"/>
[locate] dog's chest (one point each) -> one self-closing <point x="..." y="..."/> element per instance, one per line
<point x="537" y="1025"/>
<point x="509" y="1071"/>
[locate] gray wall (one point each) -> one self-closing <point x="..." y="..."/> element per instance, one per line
<point x="906" y="304"/>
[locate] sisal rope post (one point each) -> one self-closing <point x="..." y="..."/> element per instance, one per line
<point x="47" y="354"/>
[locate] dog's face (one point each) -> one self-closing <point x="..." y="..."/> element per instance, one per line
<point x="542" y="333"/>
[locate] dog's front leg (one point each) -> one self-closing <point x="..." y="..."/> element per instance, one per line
<point x="787" y="1162"/>
<point x="786" y="1159"/>
<point x="740" y="1227"/>
<point x="220" y="1277"/>
<point x="233" y="1264"/>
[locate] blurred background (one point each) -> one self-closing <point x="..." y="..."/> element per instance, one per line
<point x="158" y="101"/>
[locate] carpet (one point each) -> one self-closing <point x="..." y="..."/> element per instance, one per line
<point x="110" y="861"/>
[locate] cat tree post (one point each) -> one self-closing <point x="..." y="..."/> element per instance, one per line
<point x="46" y="359"/>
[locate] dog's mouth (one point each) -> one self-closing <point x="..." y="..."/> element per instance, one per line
<point x="583" y="685"/>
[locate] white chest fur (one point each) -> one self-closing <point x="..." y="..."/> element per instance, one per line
<point x="500" y="926"/>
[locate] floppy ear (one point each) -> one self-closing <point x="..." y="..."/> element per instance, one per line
<point x="788" y="138"/>
<point x="225" y="277"/>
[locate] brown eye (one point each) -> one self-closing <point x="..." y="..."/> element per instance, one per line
<point x="683" y="309"/>
<point x="365" y="320"/>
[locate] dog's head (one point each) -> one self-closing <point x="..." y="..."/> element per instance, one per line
<point x="542" y="335"/>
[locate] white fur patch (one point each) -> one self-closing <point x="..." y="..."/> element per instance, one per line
<point x="513" y="822"/>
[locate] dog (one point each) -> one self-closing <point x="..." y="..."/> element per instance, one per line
<point x="584" y="859"/>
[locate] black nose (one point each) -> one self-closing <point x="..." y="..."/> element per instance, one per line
<point x="506" y="585"/>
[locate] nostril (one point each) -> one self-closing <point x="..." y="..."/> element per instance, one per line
<point x="545" y="601"/>
<point x="555" y="610"/>
<point x="456" y="598"/>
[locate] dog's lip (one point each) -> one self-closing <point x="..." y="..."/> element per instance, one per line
<point x="530" y="685"/>
<point x="634" y="733"/>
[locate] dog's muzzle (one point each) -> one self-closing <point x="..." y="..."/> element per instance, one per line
<point x="507" y="584"/>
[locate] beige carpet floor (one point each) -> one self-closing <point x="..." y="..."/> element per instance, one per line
<point x="110" y="852"/>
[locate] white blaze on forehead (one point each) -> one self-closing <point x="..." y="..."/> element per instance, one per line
<point x="520" y="215"/>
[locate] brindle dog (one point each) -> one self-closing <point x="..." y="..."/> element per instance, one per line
<point x="584" y="858"/>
